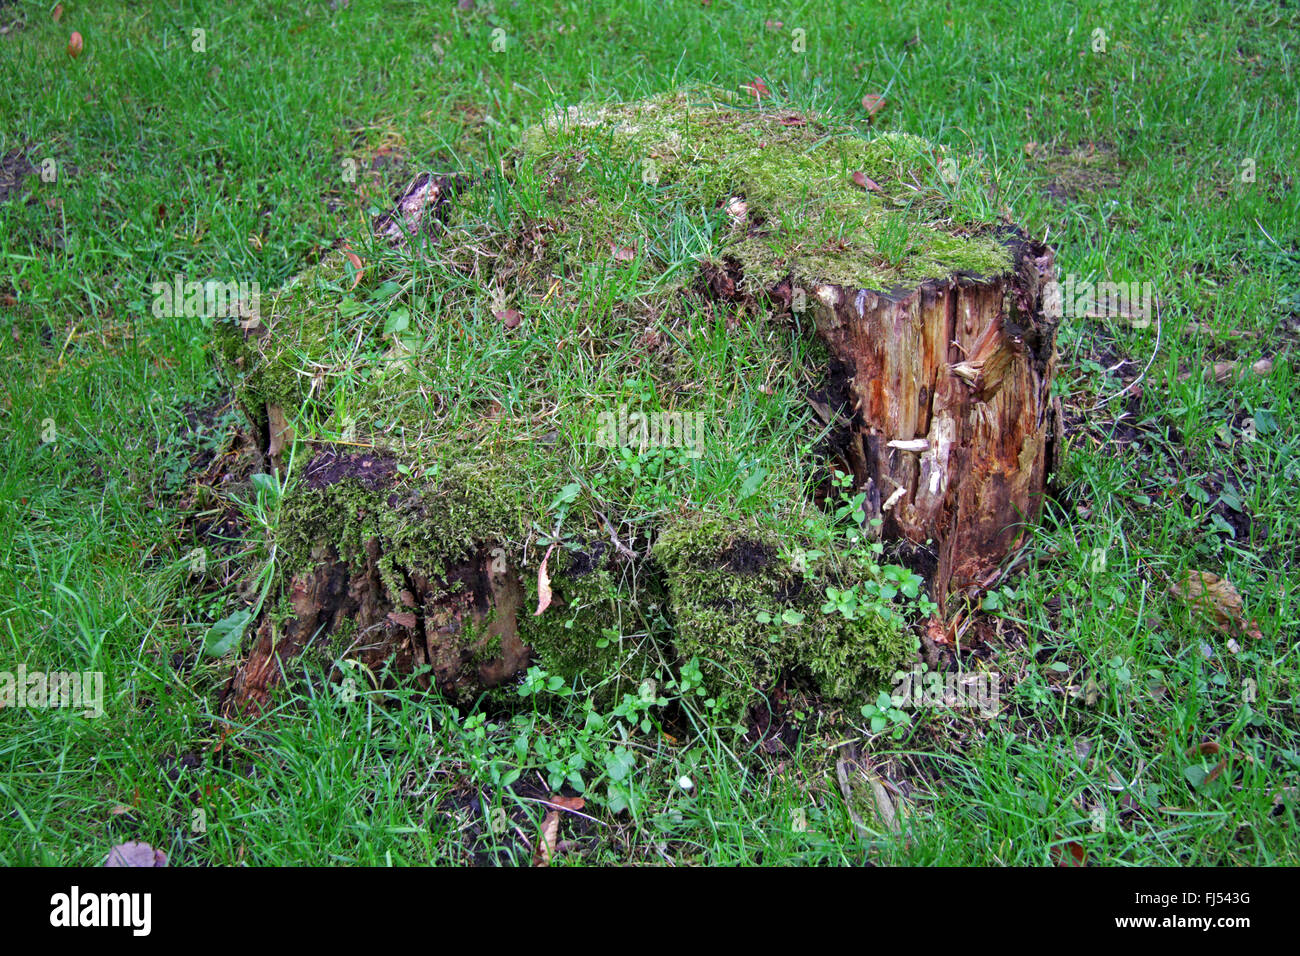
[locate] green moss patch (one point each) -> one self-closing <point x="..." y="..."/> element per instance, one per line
<point x="741" y="606"/>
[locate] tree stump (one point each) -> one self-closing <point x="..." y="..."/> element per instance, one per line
<point x="934" y="394"/>
<point x="953" y="426"/>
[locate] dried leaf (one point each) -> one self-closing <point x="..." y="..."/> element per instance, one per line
<point x="356" y="265"/>
<point x="872" y="103"/>
<point x="135" y="854"/>
<point x="794" y="119"/>
<point x="543" y="584"/>
<point x="510" y="317"/>
<point x="1068" y="854"/>
<point x="1210" y="593"/>
<point x="937" y="630"/>
<point x="863" y="181"/>
<point x="568" y="803"/>
<point x="550" y="834"/>
<point x="402" y="618"/>
<point x="74" y="45"/>
<point x="1223" y="372"/>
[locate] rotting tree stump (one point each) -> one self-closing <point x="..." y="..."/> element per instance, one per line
<point x="953" y="424"/>
<point x="936" y="396"/>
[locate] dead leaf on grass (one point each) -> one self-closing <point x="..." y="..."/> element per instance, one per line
<point x="1208" y="592"/>
<point x="509" y="317"/>
<point x="1069" y="854"/>
<point x="135" y="854"/>
<point x="568" y="803"/>
<point x="545" y="850"/>
<point x="543" y="584"/>
<point x="737" y="209"/>
<point x="356" y="265"/>
<point x="1223" y="372"/>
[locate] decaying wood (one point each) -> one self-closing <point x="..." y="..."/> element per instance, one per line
<point x="948" y="388"/>
<point x="462" y="641"/>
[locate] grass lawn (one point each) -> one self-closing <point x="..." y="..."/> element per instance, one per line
<point x="243" y="141"/>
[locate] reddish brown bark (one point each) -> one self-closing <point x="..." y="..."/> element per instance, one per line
<point x="953" y="421"/>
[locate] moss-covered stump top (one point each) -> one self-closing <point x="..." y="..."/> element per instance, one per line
<point x="548" y="357"/>
<point x="805" y="198"/>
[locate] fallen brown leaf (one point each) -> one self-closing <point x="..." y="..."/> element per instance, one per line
<point x="356" y="265"/>
<point x="543" y="584"/>
<point x="1209" y="592"/>
<point x="402" y="618"/>
<point x="568" y="803"/>
<point x="863" y="181"/>
<point x="1069" y="854"/>
<point x="509" y="317"/>
<point x="1223" y="372"/>
<point x="550" y="834"/>
<point x="135" y="854"/>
